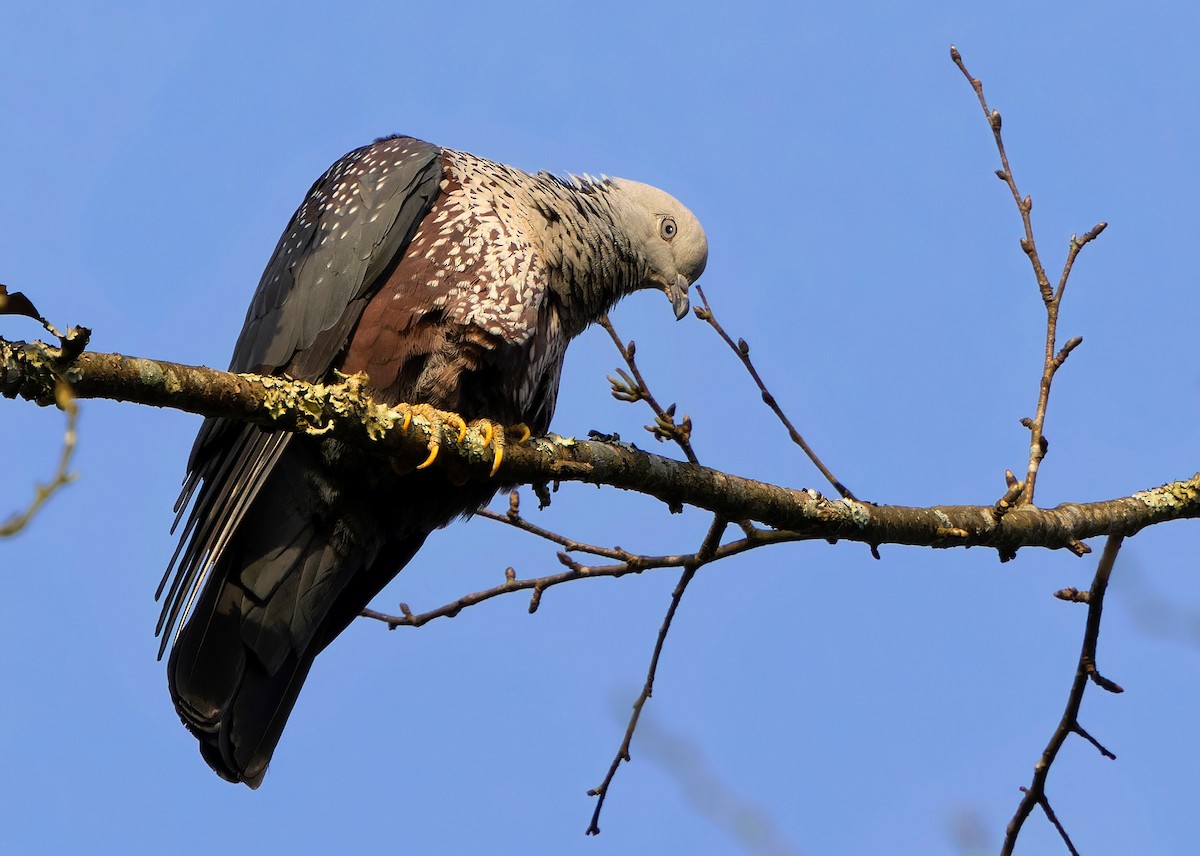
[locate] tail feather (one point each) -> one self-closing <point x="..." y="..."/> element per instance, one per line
<point x="325" y="531"/>
<point x="269" y="606"/>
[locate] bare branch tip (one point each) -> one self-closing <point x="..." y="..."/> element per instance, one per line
<point x="1104" y="683"/>
<point x="1073" y="595"/>
<point x="1071" y="345"/>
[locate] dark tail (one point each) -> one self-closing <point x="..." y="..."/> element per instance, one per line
<point x="308" y="555"/>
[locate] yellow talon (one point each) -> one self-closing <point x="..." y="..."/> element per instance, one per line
<point x="498" y="439"/>
<point x="435" y="433"/>
<point x="497" y="436"/>
<point x="433" y="453"/>
<point x="493" y="435"/>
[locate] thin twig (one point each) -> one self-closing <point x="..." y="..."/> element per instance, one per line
<point x="62" y="474"/>
<point x="636" y="389"/>
<point x="1052" y="298"/>
<point x="704" y="555"/>
<point x="1024" y="205"/>
<point x="742" y="349"/>
<point x="1053" y="818"/>
<point x="514" y="518"/>
<point x="1035" y="794"/>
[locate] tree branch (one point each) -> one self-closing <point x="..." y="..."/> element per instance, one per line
<point x="342" y="410"/>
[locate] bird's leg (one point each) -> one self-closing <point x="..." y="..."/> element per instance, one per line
<point x="496" y="436"/>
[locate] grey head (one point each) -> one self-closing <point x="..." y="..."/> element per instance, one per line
<point x="668" y="237"/>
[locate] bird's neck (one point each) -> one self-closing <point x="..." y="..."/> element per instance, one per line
<point x="591" y="265"/>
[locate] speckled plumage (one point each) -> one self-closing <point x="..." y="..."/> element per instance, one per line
<point x="450" y="280"/>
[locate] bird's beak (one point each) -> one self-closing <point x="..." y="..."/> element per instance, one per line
<point x="677" y="293"/>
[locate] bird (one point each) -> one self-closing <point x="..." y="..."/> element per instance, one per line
<point x="452" y="282"/>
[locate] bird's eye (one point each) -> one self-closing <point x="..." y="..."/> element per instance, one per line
<point x="667" y="229"/>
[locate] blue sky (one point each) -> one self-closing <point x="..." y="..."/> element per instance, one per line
<point x="859" y="241"/>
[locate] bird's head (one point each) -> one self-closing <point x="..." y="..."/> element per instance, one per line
<point x="666" y="235"/>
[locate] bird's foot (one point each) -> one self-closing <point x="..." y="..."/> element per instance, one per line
<point x="496" y="436"/>
<point x="437" y="419"/>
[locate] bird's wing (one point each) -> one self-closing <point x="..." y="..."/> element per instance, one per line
<point x="352" y="227"/>
<point x="353" y="224"/>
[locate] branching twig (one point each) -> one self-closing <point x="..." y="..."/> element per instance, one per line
<point x="1035" y="794"/>
<point x="632" y="564"/>
<point x="703" y="556"/>
<point x="1052" y="298"/>
<point x="635" y="388"/>
<point x="710" y="550"/>
<point x="742" y="349"/>
<point x="664" y="428"/>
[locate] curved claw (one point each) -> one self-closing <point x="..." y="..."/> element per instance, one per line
<point x="499" y="440"/>
<point x="433" y="453"/>
<point x="435" y="435"/>
<point x="493" y="435"/>
<point x="437" y="420"/>
<point x="498" y="435"/>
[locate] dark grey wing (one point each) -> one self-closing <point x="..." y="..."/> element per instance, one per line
<point x="352" y="227"/>
<point x="353" y="224"/>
